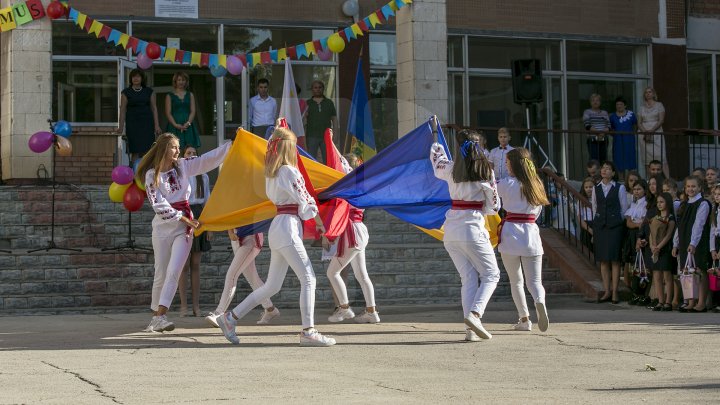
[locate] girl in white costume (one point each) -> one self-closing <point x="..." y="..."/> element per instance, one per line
<point x="245" y="251"/>
<point x="523" y="196"/>
<point x="472" y="188"/>
<point x="167" y="185"/>
<point x="285" y="187"/>
<point x="351" y="250"/>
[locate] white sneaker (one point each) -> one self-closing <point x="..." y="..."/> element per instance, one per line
<point x="163" y="325"/>
<point x="542" y="316"/>
<point x="266" y="316"/>
<point x="227" y="324"/>
<point x="368" y="317"/>
<point x="152" y="325"/>
<point x="523" y="326"/>
<point x="312" y="337"/>
<point x="211" y="318"/>
<point x="474" y="323"/>
<point x="341" y="314"/>
<point x="471" y="336"/>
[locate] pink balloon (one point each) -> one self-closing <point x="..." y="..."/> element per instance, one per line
<point x="41" y="141"/>
<point x="122" y="175"/>
<point x="234" y="65"/>
<point x="325" y="54"/>
<point x="144" y="61"/>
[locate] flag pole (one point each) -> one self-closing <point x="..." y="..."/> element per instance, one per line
<point x="434" y="125"/>
<point x="347" y="133"/>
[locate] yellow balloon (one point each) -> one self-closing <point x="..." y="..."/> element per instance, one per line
<point x="336" y="43"/>
<point x="139" y="184"/>
<point x="117" y="191"/>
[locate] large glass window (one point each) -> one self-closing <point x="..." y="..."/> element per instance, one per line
<point x="494" y="53"/>
<point x="606" y="58"/>
<point x="69" y="39"/>
<point x="248" y="39"/>
<point x="700" y="91"/>
<point x="192" y="37"/>
<point x="383" y="49"/>
<point x="85" y="91"/>
<point x="455" y="51"/>
<point x="383" y="105"/>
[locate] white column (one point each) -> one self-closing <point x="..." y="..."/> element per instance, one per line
<point x="26" y="92"/>
<point x="422" y="80"/>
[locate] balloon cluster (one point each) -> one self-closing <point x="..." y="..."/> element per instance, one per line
<point x="126" y="188"/>
<point x="41" y="141"/>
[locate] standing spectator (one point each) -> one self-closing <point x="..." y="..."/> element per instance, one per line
<point x="138" y="115"/>
<point x="498" y="154"/>
<point x="597" y="122"/>
<point x="593" y="168"/>
<point x="584" y="213"/>
<point x="199" y="194"/>
<point x="661" y="229"/>
<point x="320" y="116"/>
<point x="624" y="153"/>
<point x="262" y="109"/>
<point x="609" y="202"/>
<point x="634" y="218"/>
<point x="180" y="112"/>
<point x="650" y="120"/>
<point x="711" y="180"/>
<point x="655" y="168"/>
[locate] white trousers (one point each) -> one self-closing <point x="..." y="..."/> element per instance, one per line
<point x="242" y="263"/>
<point x="356" y="259"/>
<point x="475" y="259"/>
<point x="532" y="267"/>
<point x="171" y="253"/>
<point x="296" y="257"/>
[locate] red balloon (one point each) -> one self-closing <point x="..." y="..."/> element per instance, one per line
<point x="134" y="198"/>
<point x="55" y="10"/>
<point x="153" y="50"/>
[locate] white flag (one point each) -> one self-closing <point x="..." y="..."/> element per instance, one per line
<point x="290" y="106"/>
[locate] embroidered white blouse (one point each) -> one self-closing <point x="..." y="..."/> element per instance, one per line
<point x="174" y="186"/>
<point x="288" y="187"/>
<point x="464" y="225"/>
<point x="518" y="239"/>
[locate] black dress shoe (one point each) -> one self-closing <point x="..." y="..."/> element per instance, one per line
<point x="693" y="310"/>
<point x="601" y="300"/>
<point x="657" y="307"/>
<point x="667" y="308"/>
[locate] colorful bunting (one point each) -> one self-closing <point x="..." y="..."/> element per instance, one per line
<point x="114" y="37"/>
<point x="387" y="11"/>
<point x="204" y="59"/>
<point x="393" y="5"/>
<point x="213" y="60"/>
<point x="180" y="56"/>
<point x="195" y="58"/>
<point x="95" y="28"/>
<point x="349" y="34"/>
<point x="310" y="48"/>
<point x="265" y="58"/>
<point x="7" y="19"/>
<point x="274" y="55"/>
<point x="141" y="46"/>
<point x="301" y="51"/>
<point x="105" y="32"/>
<point x="22" y="13"/>
<point x="356" y="30"/>
<point x="323" y="42"/>
<point x="373" y="19"/>
<point x="344" y="36"/>
<point x="256" y="59"/>
<point x="132" y="44"/>
<point x="81" y="20"/>
<point x="88" y="23"/>
<point x="222" y="60"/>
<point x="124" y="38"/>
<point x="292" y="55"/>
<point x="363" y="24"/>
<point x="282" y="54"/>
<point x="37" y="11"/>
<point x="170" y="54"/>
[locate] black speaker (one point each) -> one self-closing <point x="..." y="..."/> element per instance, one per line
<point x="527" y="81"/>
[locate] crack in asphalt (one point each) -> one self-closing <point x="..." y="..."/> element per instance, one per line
<point x="563" y="343"/>
<point x="97" y="387"/>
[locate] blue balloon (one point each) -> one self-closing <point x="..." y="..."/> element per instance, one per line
<point x="135" y="165"/>
<point x="218" y="71"/>
<point x="63" y="128"/>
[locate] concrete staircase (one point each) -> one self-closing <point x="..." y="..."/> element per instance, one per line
<point x="405" y="265"/>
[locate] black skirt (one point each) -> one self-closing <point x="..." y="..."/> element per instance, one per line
<point x="608" y="243"/>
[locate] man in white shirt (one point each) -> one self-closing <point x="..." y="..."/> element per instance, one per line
<point x="497" y="155"/>
<point x="262" y="109"/>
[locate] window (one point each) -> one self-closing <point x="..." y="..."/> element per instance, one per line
<point x="85" y="91"/>
<point x="494" y="53"/>
<point x="193" y="37"/>
<point x="382" y="49"/>
<point x="383" y="107"/>
<point x="69" y="39"/>
<point x="606" y="58"/>
<point x="249" y="39"/>
<point x="455" y="51"/>
<point x="700" y="90"/>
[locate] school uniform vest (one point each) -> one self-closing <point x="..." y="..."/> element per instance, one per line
<point x="685" y="224"/>
<point x="609" y="212"/>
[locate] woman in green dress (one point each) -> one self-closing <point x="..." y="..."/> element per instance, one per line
<point x="180" y="112"/>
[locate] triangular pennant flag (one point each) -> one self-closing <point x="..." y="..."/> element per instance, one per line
<point x="222" y="60"/>
<point x="393" y="6"/>
<point x="301" y="51"/>
<point x="195" y="58"/>
<point x="318" y="46"/>
<point x="323" y="42"/>
<point x="187" y="57"/>
<point x="310" y="48"/>
<point x="204" y="59"/>
<point x="249" y="59"/>
<point x="387" y="11"/>
<point x="364" y="24"/>
<point x="114" y="37"/>
<point x="243" y="59"/>
<point x="380" y="16"/>
<point x="265" y="58"/>
<point x="105" y="32"/>
<point x="124" y="38"/>
<point x="349" y="34"/>
<point x="88" y="23"/>
<point x="141" y="46"/>
<point x="80" y="21"/>
<point x="256" y="59"/>
<point x="344" y="36"/>
<point x="282" y="54"/>
<point x="274" y="55"/>
<point x="399" y="4"/>
<point x="95" y="28"/>
<point x="170" y="54"/>
<point x="132" y="44"/>
<point x="179" y="56"/>
<point x="73" y="15"/>
<point x="373" y="18"/>
<point x="356" y="30"/>
<point x="162" y="52"/>
<point x="291" y="53"/>
<point x="213" y="60"/>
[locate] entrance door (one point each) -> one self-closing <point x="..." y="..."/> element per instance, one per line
<point x="124" y="69"/>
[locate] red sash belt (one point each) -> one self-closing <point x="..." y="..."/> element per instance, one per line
<point x="356" y="215"/>
<point x="467" y="205"/>
<point x="258" y="240"/>
<point x="515" y="218"/>
<point x="184" y="207"/>
<point x="290" y="209"/>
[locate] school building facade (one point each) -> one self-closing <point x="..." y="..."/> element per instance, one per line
<point x="446" y="57"/>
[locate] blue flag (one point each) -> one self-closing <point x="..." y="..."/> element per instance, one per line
<point x="400" y="180"/>
<point x="360" y="119"/>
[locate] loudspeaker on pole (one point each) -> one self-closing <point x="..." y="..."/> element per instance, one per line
<point x="527" y="81"/>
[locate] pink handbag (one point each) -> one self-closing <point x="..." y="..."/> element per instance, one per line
<point x="714" y="277"/>
<point x="689" y="281"/>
